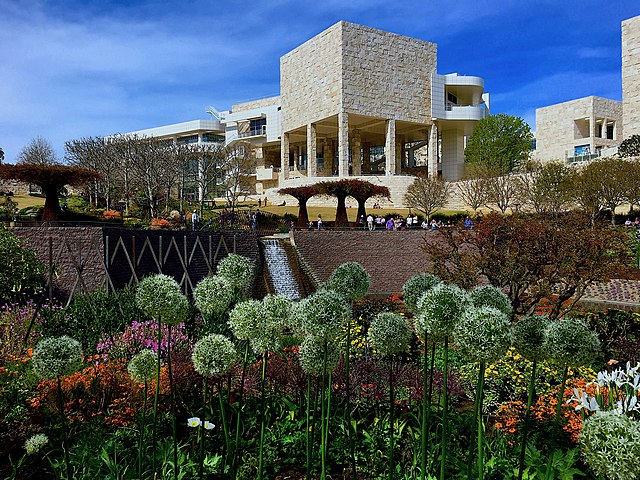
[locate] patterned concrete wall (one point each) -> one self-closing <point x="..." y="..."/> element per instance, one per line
<point x="386" y="75"/>
<point x="263" y="102"/>
<point x="631" y="76"/>
<point x="556" y="133"/>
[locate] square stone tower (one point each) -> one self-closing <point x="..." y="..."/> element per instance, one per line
<point x="631" y="76"/>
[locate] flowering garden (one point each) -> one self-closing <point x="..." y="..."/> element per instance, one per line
<point x="435" y="383"/>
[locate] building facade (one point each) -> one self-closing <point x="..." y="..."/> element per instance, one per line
<point x="355" y="102"/>
<point x="589" y="127"/>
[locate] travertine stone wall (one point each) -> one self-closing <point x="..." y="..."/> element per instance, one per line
<point x="386" y="75"/>
<point x="631" y="76"/>
<point x="359" y="70"/>
<point x="263" y="102"/>
<point x="556" y="132"/>
<point x="311" y="81"/>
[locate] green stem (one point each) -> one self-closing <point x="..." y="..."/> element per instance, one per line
<point x="172" y="397"/>
<point x="527" y="414"/>
<point x="63" y="424"/>
<point x="350" y="439"/>
<point x="141" y="438"/>
<point x="308" y="475"/>
<point x="201" y="436"/>
<point x="262" y="415"/>
<point x="236" y="447"/>
<point x="225" y="426"/>
<point x="154" y="434"/>
<point x="425" y="413"/>
<point x="326" y="430"/>
<point x="445" y="411"/>
<point x="391" y="418"/>
<point x="323" y="457"/>
<point x="480" y="422"/>
<point x="560" y="398"/>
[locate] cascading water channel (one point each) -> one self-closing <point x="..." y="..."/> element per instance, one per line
<point x="277" y="262"/>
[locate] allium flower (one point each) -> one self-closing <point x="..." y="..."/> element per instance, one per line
<point x="350" y="280"/>
<point x="159" y="296"/>
<point x="416" y="286"/>
<point x="238" y="270"/>
<point x="570" y="342"/>
<point x="483" y="334"/>
<point x="56" y="356"/>
<point x="213" y="295"/>
<point x="530" y="336"/>
<point x="323" y="313"/>
<point x="390" y="333"/>
<point x="35" y="443"/>
<point x="213" y="355"/>
<point x="440" y="309"/>
<point x="143" y="367"/>
<point x="194" y="422"/>
<point x="208" y="425"/>
<point x="490" y="296"/>
<point x="245" y="318"/>
<point x="311" y="355"/>
<point x="268" y="335"/>
<point x="611" y="445"/>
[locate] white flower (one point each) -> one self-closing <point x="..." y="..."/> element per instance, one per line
<point x="36" y="443"/>
<point x="208" y="425"/>
<point x="194" y="422"/>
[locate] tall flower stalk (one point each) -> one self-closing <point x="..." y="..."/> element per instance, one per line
<point x="483" y="335"/>
<point x="440" y="310"/>
<point x="142" y="369"/>
<point x="54" y="358"/>
<point x="414" y="289"/>
<point x="390" y="334"/>
<point x="529" y="338"/>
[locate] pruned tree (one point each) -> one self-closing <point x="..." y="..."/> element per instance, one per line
<point x="428" y="194"/>
<point x="630" y="147"/>
<point x="363" y="191"/>
<point x="51" y="179"/>
<point x="38" y="151"/>
<point x="500" y="143"/>
<point x="547" y="188"/>
<point x="531" y="257"/>
<point x="503" y="191"/>
<point x="602" y="184"/>
<point x="341" y="190"/>
<point x="473" y="189"/>
<point x="302" y="194"/>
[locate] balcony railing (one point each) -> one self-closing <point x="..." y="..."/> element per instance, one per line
<point x="583" y="158"/>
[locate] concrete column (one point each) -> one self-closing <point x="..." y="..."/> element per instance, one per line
<point x="399" y="155"/>
<point x="329" y="154"/>
<point x="355" y="153"/>
<point x="592" y="133"/>
<point x="390" y="148"/>
<point x="366" y="157"/>
<point x="284" y="156"/>
<point x="452" y="155"/>
<point x="312" y="150"/>
<point x="432" y="163"/>
<point x="259" y="157"/>
<point x="343" y="144"/>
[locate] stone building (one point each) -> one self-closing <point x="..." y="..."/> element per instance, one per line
<point x="357" y="102"/>
<point x="589" y="127"/>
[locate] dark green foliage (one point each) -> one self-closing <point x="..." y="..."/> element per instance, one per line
<point x="94" y="316"/>
<point x="20" y="269"/>
<point x="630" y="147"/>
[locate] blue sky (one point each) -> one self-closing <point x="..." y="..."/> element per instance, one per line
<point x="74" y="68"/>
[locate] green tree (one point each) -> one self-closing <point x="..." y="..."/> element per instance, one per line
<point x="20" y="269"/>
<point x="499" y="142"/>
<point x="630" y="147"/>
<point x="548" y="188"/>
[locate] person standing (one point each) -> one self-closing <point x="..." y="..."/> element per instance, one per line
<point x="370" y="223"/>
<point x="319" y="222"/>
<point x="195" y="219"/>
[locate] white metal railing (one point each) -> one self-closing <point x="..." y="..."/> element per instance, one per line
<point x="254" y="133"/>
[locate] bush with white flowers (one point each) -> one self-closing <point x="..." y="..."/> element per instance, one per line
<point x="213" y="355"/>
<point x="142" y="367"/>
<point x="213" y="295"/>
<point x="440" y="310"/>
<point x="389" y="333"/>
<point x="416" y="286"/>
<point x="237" y="270"/>
<point x="160" y="297"/>
<point x="490" y="296"/>
<point x="350" y="280"/>
<point x="56" y="356"/>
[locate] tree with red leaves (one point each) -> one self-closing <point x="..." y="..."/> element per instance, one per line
<point x="51" y="179"/>
<point x="531" y="257"/>
<point x="302" y="194"/>
<point x="358" y="189"/>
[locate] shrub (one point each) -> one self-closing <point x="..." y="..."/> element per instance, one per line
<point x="20" y="269"/>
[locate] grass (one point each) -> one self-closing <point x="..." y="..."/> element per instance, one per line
<point x="24" y="201"/>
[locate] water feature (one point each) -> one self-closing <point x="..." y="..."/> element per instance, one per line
<point x="277" y="263"/>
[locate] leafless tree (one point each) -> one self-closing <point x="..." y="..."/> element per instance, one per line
<point x="240" y="163"/>
<point x="428" y="194"/>
<point x="473" y="188"/>
<point x="547" y="188"/>
<point x="502" y="191"/>
<point x="38" y="151"/>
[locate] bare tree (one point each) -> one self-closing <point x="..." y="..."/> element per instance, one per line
<point x="38" y="151"/>
<point x="239" y="165"/>
<point x="473" y="189"/>
<point x="502" y="191"/>
<point x="210" y="160"/>
<point x="1" y="155"/>
<point x="428" y="194"/>
<point x="547" y="188"/>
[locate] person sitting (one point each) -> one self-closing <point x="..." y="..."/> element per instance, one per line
<point x="628" y="223"/>
<point x="636" y="223"/>
<point x="468" y="223"/>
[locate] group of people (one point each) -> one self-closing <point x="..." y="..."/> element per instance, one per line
<point x="635" y="223"/>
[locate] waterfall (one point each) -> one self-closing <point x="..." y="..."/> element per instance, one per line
<point x="277" y="262"/>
